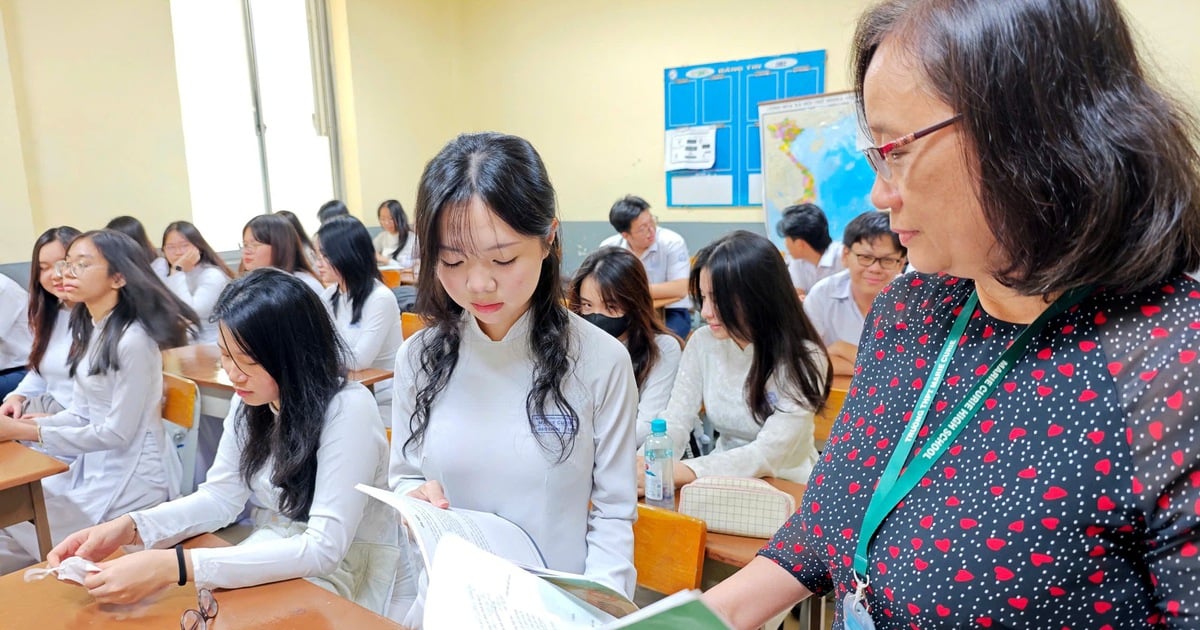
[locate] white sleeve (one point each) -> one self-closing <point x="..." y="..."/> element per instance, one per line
<point x="160" y="267"/>
<point x="785" y="433"/>
<point x="13" y="302"/>
<point x="136" y="385"/>
<point x="209" y="284"/>
<point x="656" y="390"/>
<point x="380" y="315"/>
<point x="817" y="309"/>
<point x="614" y="482"/>
<point x="679" y="264"/>
<point x="687" y="394"/>
<point x="32" y="385"/>
<point x="74" y="415"/>
<point x="378" y="242"/>
<point x="404" y="466"/>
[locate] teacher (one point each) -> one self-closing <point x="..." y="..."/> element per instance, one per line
<point x="1019" y="445"/>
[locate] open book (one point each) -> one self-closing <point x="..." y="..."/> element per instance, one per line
<point x="485" y="572"/>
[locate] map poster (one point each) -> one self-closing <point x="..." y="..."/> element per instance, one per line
<point x="810" y="153"/>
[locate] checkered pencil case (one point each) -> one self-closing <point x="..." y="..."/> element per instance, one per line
<point x="737" y="505"/>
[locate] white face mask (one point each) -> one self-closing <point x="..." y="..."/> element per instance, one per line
<point x="73" y="569"/>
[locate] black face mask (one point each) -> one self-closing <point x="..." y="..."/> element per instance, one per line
<point x="615" y="326"/>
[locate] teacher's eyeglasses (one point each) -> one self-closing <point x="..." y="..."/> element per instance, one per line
<point x="880" y="157"/>
<point x="205" y="611"/>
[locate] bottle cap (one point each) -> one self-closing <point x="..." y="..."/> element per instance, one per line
<point x="658" y="425"/>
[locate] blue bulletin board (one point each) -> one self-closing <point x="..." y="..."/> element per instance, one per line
<point x="727" y="95"/>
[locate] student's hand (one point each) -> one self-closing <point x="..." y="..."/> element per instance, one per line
<point x="12" y="406"/>
<point x="13" y="429"/>
<point x="30" y="417"/>
<point x="431" y="492"/>
<point x="641" y="476"/>
<point x="801" y="293"/>
<point x="683" y="474"/>
<point x="97" y="542"/>
<point x="187" y="260"/>
<point x="132" y="578"/>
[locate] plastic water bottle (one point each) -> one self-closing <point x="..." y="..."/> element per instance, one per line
<point x="660" y="467"/>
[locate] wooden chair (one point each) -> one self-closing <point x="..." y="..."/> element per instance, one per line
<point x="410" y="323"/>
<point x="181" y="415"/>
<point x="668" y="549"/>
<point x="391" y="277"/>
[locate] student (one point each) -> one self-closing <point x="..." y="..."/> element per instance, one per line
<point x="134" y="229"/>
<point x="364" y="311"/>
<point x="663" y="252"/>
<point x="813" y="254"/>
<point x="508" y="402"/>
<point x="269" y="240"/>
<point x="310" y="253"/>
<point x="47" y="387"/>
<point x="15" y="336"/>
<point x="298" y="437"/>
<point x="332" y="208"/>
<point x="757" y="336"/>
<point x="197" y="274"/>
<point x="610" y="290"/>
<point x="838" y="305"/>
<point x="122" y="457"/>
<point x="395" y="244"/>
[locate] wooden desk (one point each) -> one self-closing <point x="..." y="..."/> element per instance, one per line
<point x="51" y="604"/>
<point x="202" y="364"/>
<point x="738" y="551"/>
<point x="21" y="472"/>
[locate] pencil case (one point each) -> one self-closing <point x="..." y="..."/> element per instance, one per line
<point x="737" y="505"/>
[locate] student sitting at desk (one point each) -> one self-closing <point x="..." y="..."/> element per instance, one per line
<point x="508" y="402"/>
<point x="812" y="254"/>
<point x="611" y="291"/>
<point x="269" y="240"/>
<point x="757" y="336"/>
<point x="47" y="387"/>
<point x="364" y="311"/>
<point x="838" y="305"/>
<point x="122" y="459"/>
<point x="396" y="244"/>
<point x="197" y="274"/>
<point x="298" y="437"/>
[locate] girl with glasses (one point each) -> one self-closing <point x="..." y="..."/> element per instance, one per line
<point x="757" y="369"/>
<point x="47" y="387"/>
<point x="269" y="240"/>
<point x="111" y="433"/>
<point x="298" y="437"/>
<point x="507" y="402"/>
<point x="197" y="274"/>
<point x="363" y="309"/>
<point x="395" y="244"/>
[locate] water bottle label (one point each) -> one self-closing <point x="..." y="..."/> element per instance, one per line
<point x="654" y="484"/>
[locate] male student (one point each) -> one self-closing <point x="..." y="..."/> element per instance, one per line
<point x="838" y="305"/>
<point x="663" y="252"/>
<point x="812" y="253"/>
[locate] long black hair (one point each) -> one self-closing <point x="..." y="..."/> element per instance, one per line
<point x="131" y="227"/>
<point x="44" y="305"/>
<point x="507" y="175"/>
<point x="208" y="255"/>
<point x="279" y="322"/>
<point x="625" y="287"/>
<point x="753" y="295"/>
<point x="143" y="298"/>
<point x="400" y="220"/>
<point x="346" y="246"/>
<point x="296" y="225"/>
<point x="287" y="252"/>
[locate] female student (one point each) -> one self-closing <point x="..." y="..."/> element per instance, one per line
<point x="134" y="229"/>
<point x="364" y="311"/>
<point x="197" y="274"/>
<point x="269" y="240"/>
<point x="610" y="289"/>
<point x="47" y="387"/>
<point x="122" y="458"/>
<point x="297" y="439"/>
<point x="509" y="403"/>
<point x="758" y="336"/>
<point x="306" y="243"/>
<point x="395" y="243"/>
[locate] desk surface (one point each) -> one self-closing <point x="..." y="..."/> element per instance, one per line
<point x="202" y="364"/>
<point x="841" y="382"/>
<point x="738" y="551"/>
<point x="20" y="465"/>
<point x="50" y="604"/>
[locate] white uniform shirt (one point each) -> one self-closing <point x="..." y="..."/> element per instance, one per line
<point x="374" y="340"/>
<point x="656" y="391"/>
<point x="832" y="310"/>
<point x="385" y="244"/>
<point x="353" y="450"/>
<point x="712" y="374"/>
<point x="666" y="260"/>
<point x="15" y="337"/>
<point x="805" y="274"/>
<point x="160" y="267"/>
<point x="200" y="288"/>
<point x="480" y="446"/>
<point x="52" y="375"/>
<point x="310" y="280"/>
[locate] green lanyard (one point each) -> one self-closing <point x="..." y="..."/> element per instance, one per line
<point x="894" y="486"/>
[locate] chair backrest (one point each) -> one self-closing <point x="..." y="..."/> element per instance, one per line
<point x="391" y="277"/>
<point x="668" y="549"/>
<point x="181" y="400"/>
<point x="410" y="323"/>
<point x="823" y="422"/>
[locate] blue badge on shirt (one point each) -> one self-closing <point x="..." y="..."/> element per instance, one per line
<point x="553" y="424"/>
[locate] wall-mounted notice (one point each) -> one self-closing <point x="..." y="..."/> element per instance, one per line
<point x="725" y="96"/>
<point x="691" y="148"/>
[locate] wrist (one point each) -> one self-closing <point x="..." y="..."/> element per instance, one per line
<point x="133" y="538"/>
